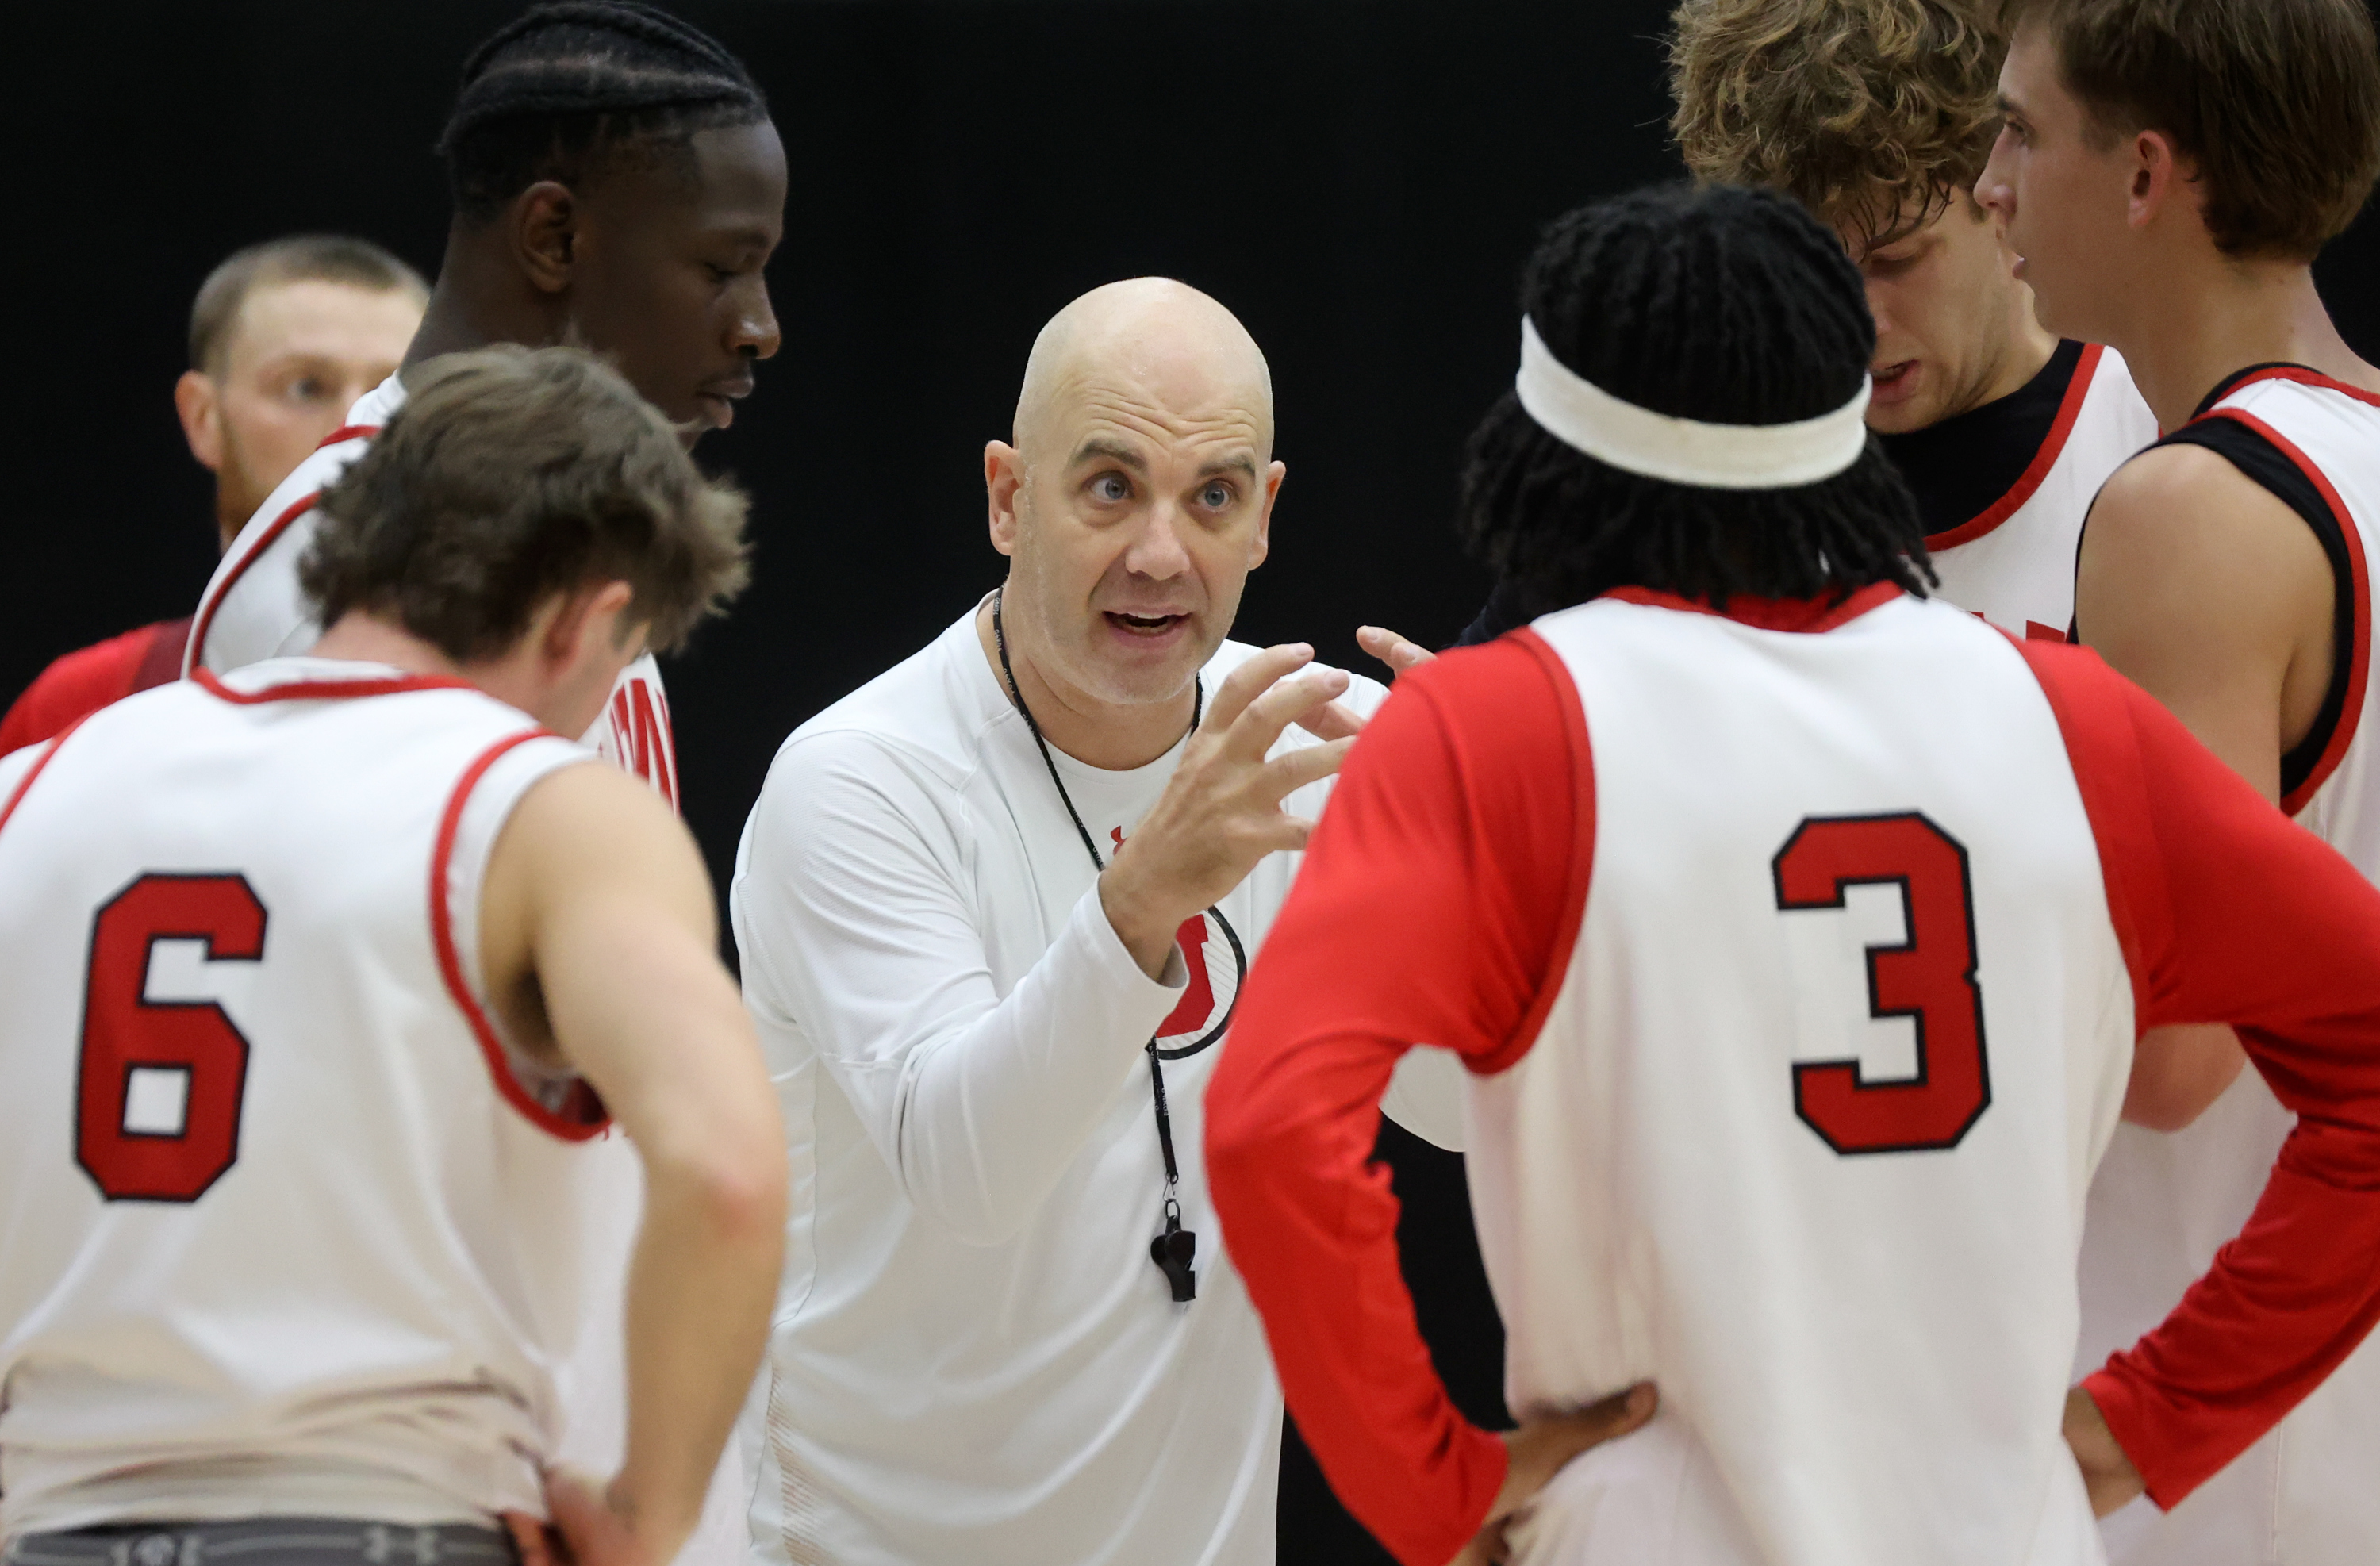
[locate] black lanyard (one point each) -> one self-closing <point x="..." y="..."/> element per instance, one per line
<point x="1173" y="1249"/>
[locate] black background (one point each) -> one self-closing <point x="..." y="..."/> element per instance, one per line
<point x="1359" y="181"/>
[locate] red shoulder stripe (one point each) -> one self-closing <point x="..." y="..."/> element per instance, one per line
<point x="2087" y="700"/>
<point x="450" y="966"/>
<point x="34" y="770"/>
<point x="348" y="432"/>
<point x="216" y="594"/>
<point x="2303" y="376"/>
<point x="2038" y="470"/>
<point x="1582" y="859"/>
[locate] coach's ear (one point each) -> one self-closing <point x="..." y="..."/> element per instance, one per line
<point x="1004" y="475"/>
<point x="544" y="222"/>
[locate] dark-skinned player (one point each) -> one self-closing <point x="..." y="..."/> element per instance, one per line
<point x="617" y="184"/>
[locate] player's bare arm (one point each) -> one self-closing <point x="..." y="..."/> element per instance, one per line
<point x="598" y="942"/>
<point x="2215" y="598"/>
<point x="1220" y="811"/>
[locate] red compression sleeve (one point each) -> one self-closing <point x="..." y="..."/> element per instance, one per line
<point x="2230" y="912"/>
<point x="1438" y="903"/>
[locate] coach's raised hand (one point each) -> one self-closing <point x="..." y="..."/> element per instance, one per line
<point x="1220" y="812"/>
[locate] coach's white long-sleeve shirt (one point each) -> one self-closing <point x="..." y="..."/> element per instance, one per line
<point x="975" y="1362"/>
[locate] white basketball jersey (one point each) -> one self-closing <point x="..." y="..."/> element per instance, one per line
<point x="1805" y="1135"/>
<point x="2309" y="1493"/>
<point x="2014" y="564"/>
<point x="284" y="1227"/>
<point x="254" y="609"/>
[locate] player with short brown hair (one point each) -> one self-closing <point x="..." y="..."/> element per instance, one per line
<point x="283" y="336"/>
<point x="2167" y="172"/>
<point x="325" y="980"/>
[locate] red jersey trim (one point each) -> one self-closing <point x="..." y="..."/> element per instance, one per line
<point x="2069" y="408"/>
<point x="2104" y="755"/>
<point x="193" y="654"/>
<point x="2298" y="373"/>
<point x="1582" y="862"/>
<point x="328" y="691"/>
<point x="17" y="793"/>
<point x="450" y="968"/>
<point x="2359" y="665"/>
<point x="1807" y="616"/>
<point x="349" y="432"/>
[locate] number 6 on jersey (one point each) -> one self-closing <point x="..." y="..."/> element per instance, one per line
<point x="1929" y="978"/>
<point x="159" y="1090"/>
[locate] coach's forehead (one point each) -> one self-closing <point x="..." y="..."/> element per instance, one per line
<point x="1148" y="357"/>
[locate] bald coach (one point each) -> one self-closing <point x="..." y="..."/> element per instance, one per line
<point x="993" y="909"/>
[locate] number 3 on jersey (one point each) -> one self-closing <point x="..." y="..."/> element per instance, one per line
<point x="159" y="1085"/>
<point x="1929" y="978"/>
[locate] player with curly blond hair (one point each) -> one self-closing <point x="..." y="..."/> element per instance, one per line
<point x="1877" y="115"/>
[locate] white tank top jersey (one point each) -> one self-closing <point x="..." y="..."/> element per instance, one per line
<point x="2309" y="1493"/>
<point x="284" y="1227"/>
<point x="2014" y="563"/>
<point x="253" y="609"/>
<point x="1762" y="779"/>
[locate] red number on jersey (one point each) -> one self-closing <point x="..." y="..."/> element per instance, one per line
<point x="158" y="1117"/>
<point x="1929" y="978"/>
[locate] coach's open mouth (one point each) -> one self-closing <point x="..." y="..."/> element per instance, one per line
<point x="1143" y="625"/>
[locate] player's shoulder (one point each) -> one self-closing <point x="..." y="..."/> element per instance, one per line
<point x="1508" y="697"/>
<point x="925" y="715"/>
<point x="2177" y="486"/>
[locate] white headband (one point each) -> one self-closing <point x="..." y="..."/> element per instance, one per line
<point x="1718" y="456"/>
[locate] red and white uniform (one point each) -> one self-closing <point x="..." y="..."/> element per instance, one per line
<point x="2014" y="563"/>
<point x="285" y="1230"/>
<point x="1797" y="956"/>
<point x="253" y="609"/>
<point x="2162" y="1205"/>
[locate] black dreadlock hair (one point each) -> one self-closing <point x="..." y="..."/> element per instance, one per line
<point x="1714" y="303"/>
<point x="567" y="90"/>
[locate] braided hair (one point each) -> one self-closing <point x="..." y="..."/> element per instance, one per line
<point x="569" y="90"/>
<point x="1714" y="303"/>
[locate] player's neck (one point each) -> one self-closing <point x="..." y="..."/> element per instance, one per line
<point x="481" y="299"/>
<point x="1112" y="736"/>
<point x="2219" y="319"/>
<point x="367" y="639"/>
<point x="2025" y="348"/>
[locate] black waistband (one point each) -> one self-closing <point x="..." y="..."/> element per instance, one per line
<point x="267" y="1541"/>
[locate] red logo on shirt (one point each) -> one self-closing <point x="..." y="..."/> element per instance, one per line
<point x="1217" y="962"/>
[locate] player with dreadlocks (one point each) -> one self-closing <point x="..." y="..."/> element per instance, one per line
<point x="617" y="184"/>
<point x="1668" y="869"/>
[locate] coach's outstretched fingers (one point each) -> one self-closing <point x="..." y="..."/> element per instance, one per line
<point x="1400" y="653"/>
<point x="1541" y="1449"/>
<point x="1220" y="811"/>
